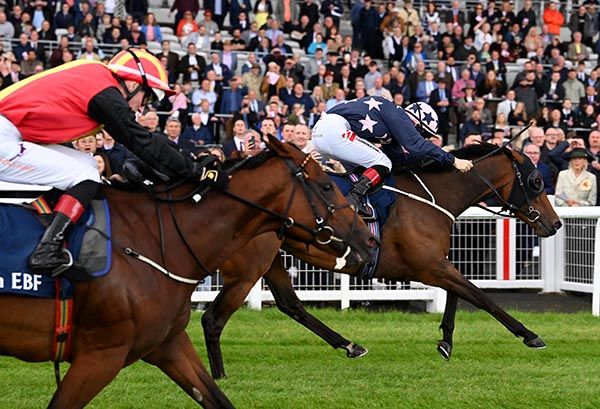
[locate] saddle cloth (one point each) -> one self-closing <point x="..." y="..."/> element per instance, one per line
<point x="21" y="229"/>
<point x="381" y="201"/>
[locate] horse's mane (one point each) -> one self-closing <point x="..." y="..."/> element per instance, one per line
<point x="470" y="152"/>
<point x="476" y="151"/>
<point x="252" y="163"/>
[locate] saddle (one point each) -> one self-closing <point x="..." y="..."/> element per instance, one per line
<point x="380" y="201"/>
<point x="21" y="227"/>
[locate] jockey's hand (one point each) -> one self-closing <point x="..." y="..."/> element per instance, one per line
<point x="209" y="171"/>
<point x="463" y="165"/>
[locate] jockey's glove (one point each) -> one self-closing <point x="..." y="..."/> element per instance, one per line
<point x="209" y="171"/>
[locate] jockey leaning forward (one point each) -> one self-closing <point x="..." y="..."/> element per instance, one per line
<point x="348" y="130"/>
<point x="71" y="101"/>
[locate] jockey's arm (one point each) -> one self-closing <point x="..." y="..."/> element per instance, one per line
<point x="109" y="108"/>
<point x="406" y="135"/>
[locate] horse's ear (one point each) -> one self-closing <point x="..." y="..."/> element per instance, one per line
<point x="277" y="146"/>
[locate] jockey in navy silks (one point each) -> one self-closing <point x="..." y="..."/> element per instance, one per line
<point x="348" y="130"/>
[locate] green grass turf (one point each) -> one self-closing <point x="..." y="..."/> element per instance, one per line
<point x="272" y="362"/>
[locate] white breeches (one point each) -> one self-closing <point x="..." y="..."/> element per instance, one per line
<point x="332" y="135"/>
<point x="48" y="165"/>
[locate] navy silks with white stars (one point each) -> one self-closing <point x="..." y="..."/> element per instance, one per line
<point x="378" y="120"/>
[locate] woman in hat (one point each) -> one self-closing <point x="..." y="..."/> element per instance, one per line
<point x="576" y="186"/>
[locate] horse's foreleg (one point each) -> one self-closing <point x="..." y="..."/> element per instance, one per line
<point x="289" y="303"/>
<point x="444" y="346"/>
<point x="450" y="279"/>
<point x="228" y="301"/>
<point x="178" y="359"/>
<point x="88" y="374"/>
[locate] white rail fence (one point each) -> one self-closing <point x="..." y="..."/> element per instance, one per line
<point x="493" y="252"/>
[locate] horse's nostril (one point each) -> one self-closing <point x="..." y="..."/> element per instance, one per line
<point x="558" y="225"/>
<point x="372" y="242"/>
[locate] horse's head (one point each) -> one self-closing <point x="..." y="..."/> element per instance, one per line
<point x="310" y="207"/>
<point x="525" y="196"/>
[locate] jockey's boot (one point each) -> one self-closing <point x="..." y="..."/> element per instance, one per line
<point x="50" y="257"/>
<point x="370" y="179"/>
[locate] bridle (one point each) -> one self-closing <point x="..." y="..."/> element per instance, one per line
<point x="322" y="233"/>
<point x="528" y="190"/>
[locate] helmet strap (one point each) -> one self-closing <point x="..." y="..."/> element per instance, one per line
<point x="129" y="94"/>
<point x="144" y="86"/>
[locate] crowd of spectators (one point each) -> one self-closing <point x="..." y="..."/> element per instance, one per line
<point x="274" y="67"/>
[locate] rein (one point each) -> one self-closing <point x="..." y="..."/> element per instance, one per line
<point x="505" y="204"/>
<point x="197" y="193"/>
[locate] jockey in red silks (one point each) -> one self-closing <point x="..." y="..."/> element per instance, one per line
<point x="75" y="100"/>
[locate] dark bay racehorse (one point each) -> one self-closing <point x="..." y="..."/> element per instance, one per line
<point x="136" y="312"/>
<point x="415" y="245"/>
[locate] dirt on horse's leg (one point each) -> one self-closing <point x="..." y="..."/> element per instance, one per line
<point x="228" y="301"/>
<point x="449" y="278"/>
<point x="444" y="346"/>
<point x="88" y="374"/>
<point x="288" y="302"/>
<point x="179" y="360"/>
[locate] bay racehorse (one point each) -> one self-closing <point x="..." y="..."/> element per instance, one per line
<point x="415" y="245"/>
<point x="137" y="312"/>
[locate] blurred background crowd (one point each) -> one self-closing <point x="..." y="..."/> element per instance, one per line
<point x="245" y="68"/>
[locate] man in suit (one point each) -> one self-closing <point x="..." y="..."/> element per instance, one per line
<point x="440" y="100"/>
<point x="591" y="98"/>
<point x="219" y="9"/>
<point x="256" y="41"/>
<point x="533" y="152"/>
<point x="497" y="65"/>
<point x="192" y="65"/>
<point x="223" y="73"/>
<point x="455" y="15"/>
<point x="231" y="100"/>
<point x="553" y="89"/>
<point x="172" y="58"/>
<point x="200" y="132"/>
<point x="237" y="142"/>
<point x="173" y="132"/>
<point x="426" y="87"/>
<point x="318" y="78"/>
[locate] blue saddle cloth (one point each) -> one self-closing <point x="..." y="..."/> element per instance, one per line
<point x="381" y="201"/>
<point x="20" y="231"/>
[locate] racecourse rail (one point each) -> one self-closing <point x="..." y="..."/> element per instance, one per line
<point x="492" y="251"/>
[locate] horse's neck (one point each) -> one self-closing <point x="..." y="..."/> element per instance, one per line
<point x="215" y="229"/>
<point x="455" y="191"/>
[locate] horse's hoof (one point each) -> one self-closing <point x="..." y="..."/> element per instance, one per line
<point x="445" y="349"/>
<point x="356" y="351"/>
<point x="535" y="342"/>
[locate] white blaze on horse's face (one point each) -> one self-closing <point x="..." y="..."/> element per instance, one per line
<point x="340" y="262"/>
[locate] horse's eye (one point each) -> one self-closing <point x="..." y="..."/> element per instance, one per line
<point x="327" y="187"/>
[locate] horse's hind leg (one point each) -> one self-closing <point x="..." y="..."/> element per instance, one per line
<point x="444" y="346"/>
<point x="289" y="303"/>
<point x="88" y="374"/>
<point x="178" y="359"/>
<point x="449" y="278"/>
<point x="228" y="301"/>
